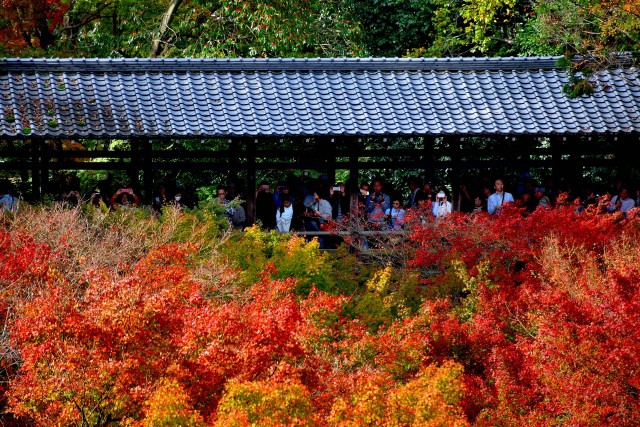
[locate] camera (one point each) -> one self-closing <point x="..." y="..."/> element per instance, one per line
<point x="336" y="189"/>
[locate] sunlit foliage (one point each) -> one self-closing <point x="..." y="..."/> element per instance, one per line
<point x="530" y="320"/>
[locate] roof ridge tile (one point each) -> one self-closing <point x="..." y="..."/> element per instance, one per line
<point x="124" y="65"/>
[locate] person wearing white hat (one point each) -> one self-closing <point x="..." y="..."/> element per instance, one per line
<point x="441" y="207"/>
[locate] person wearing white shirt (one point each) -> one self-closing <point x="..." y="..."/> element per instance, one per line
<point x="284" y="214"/>
<point x="441" y="207"/>
<point x="621" y="202"/>
<point x="499" y="199"/>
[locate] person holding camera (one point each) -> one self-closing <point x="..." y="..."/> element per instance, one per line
<point x="395" y="215"/>
<point x="442" y="207"/>
<point x="71" y="198"/>
<point x="339" y="201"/>
<point x="124" y="198"/>
<point x="97" y="203"/>
<point x="377" y="203"/>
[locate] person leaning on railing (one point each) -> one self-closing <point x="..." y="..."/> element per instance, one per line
<point x="318" y="213"/>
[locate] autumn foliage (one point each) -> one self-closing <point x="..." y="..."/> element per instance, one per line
<point x="522" y="320"/>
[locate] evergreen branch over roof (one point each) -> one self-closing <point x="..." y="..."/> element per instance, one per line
<point x="198" y="98"/>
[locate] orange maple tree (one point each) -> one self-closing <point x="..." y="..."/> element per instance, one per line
<point x="531" y="320"/>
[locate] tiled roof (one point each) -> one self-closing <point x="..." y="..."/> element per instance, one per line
<point x="122" y="98"/>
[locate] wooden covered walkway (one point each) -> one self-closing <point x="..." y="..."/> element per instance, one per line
<point x="320" y="114"/>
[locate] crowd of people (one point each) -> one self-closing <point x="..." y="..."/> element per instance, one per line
<point x="101" y="198"/>
<point x="530" y="196"/>
<point x="308" y="205"/>
<point x="123" y="198"/>
<point x="295" y="207"/>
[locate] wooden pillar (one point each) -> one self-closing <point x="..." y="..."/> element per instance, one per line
<point x="428" y="158"/>
<point x="623" y="146"/>
<point x="234" y="162"/>
<point x="455" y="145"/>
<point x="556" y="143"/>
<point x="354" y="190"/>
<point x="574" y="167"/>
<point x="134" y="165"/>
<point x="328" y="147"/>
<point x="147" y="171"/>
<point x="45" y="156"/>
<point x="35" y="169"/>
<point x="527" y="143"/>
<point x="251" y="181"/>
<point x="331" y="172"/>
<point x="512" y="155"/>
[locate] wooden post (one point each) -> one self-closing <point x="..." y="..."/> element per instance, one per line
<point x="327" y="147"/>
<point x="354" y="190"/>
<point x="134" y="165"/>
<point x="574" y="168"/>
<point x="45" y="155"/>
<point x="454" y="144"/>
<point x="147" y="170"/>
<point x="35" y="169"/>
<point x="234" y="162"/>
<point x="427" y="158"/>
<point x="623" y="146"/>
<point x="556" y="158"/>
<point x="251" y="181"/>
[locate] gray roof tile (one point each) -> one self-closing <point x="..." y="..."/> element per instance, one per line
<point x="252" y="97"/>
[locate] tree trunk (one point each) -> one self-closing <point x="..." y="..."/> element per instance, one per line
<point x="43" y="34"/>
<point x="157" y="46"/>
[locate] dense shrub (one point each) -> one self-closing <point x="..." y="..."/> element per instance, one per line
<point x="293" y="257"/>
<point x="506" y="320"/>
<point x="265" y="403"/>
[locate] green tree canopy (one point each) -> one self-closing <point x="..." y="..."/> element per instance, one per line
<point x="198" y="28"/>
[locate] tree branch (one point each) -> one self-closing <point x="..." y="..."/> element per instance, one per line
<point x="157" y="47"/>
